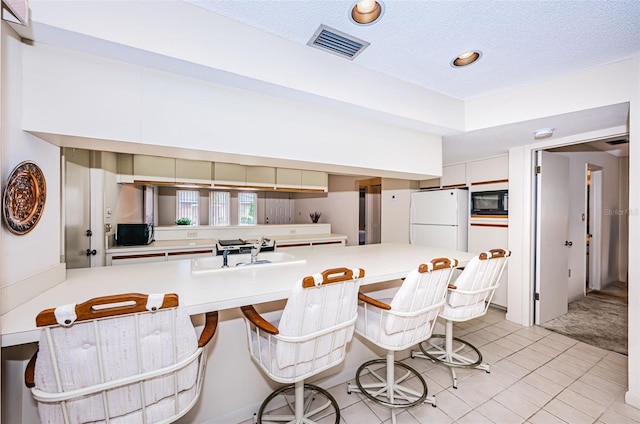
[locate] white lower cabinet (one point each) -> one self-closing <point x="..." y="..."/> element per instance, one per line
<point x="157" y="256"/>
<point x="308" y="244"/>
<point x="483" y="237"/>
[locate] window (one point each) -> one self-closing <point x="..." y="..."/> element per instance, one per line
<point x="219" y="206"/>
<point x="187" y="206"/>
<point x="247" y="208"/>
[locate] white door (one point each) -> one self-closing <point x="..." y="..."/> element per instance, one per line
<point x="552" y="230"/>
<point x="595" y="231"/>
<point x="77" y="216"/>
<point x="277" y="208"/>
<point x="373" y="228"/>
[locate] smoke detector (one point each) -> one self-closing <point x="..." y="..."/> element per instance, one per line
<point x="543" y="133"/>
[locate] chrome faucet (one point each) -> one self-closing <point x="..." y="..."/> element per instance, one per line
<point x="256" y="249"/>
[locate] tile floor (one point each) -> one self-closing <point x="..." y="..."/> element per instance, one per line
<point x="537" y="376"/>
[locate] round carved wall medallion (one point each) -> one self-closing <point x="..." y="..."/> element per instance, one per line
<point x="23" y="199"/>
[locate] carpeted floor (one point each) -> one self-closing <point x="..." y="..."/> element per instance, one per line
<point x="599" y="319"/>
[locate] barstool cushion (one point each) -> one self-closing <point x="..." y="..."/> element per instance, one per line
<point x="119" y="353"/>
<point x="470" y="279"/>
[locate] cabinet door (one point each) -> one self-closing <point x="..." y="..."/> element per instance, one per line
<point x="314" y="180"/>
<point x="193" y="172"/>
<point x="483" y="237"/>
<point x="489" y="170"/>
<point x="454" y="176"/>
<point x="154" y="168"/>
<point x="261" y="176"/>
<point x="230" y="174"/>
<point x="288" y="178"/>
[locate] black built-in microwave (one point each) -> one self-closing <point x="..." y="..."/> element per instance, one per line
<point x="134" y="234"/>
<point x="495" y="202"/>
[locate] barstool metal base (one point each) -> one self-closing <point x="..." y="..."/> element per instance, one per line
<point x="388" y="390"/>
<point x="297" y="403"/>
<point x="447" y="350"/>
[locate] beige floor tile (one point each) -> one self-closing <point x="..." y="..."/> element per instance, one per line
<point x="581" y="403"/>
<point x="452" y="405"/>
<point x="508" y="345"/>
<point x="342" y="396"/>
<point x="519" y="340"/>
<point x="498" y="331"/>
<point x="534" y="355"/>
<point x="614" y="364"/>
<point x="405" y="417"/>
<point x="542" y="383"/>
<point x="567" y="412"/>
<point x="609" y="374"/>
<point x="533" y="395"/>
<point x="617" y="357"/>
<point x="565" y="368"/>
<point x="508" y="325"/>
<point x="359" y="413"/>
<point x="554" y="375"/>
<point x="602" y="383"/>
<point x="592" y="392"/>
<point x="429" y="414"/>
<point x="625" y="409"/>
<point x="556" y="338"/>
<point x="575" y="362"/>
<point x="544" y="417"/>
<point x="474" y="417"/>
<point x="516" y="403"/>
<point x="469" y="395"/>
<point x="441" y="375"/>
<point x="613" y="417"/>
<point x="530" y="334"/>
<point x="501" y="376"/>
<point x="524" y="361"/>
<point x="511" y="367"/>
<point x="551" y="351"/>
<point x="498" y="413"/>
<point x="588" y="356"/>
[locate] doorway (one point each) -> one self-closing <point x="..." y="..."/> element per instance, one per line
<point x="589" y="281"/>
<point x="76" y="176"/>
<point x="369" y="213"/>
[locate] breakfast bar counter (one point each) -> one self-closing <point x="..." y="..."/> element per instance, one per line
<point x="218" y="289"/>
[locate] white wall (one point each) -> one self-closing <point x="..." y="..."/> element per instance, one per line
<point x="157" y="108"/>
<point x="610" y="238"/>
<point x="340" y="207"/>
<point x="29" y="264"/>
<point x="38" y="251"/>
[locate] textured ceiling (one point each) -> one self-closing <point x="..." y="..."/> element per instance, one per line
<point x="521" y="41"/>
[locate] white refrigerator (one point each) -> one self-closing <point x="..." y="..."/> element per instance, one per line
<point x="439" y="218"/>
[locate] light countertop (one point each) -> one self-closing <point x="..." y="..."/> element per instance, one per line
<point x="201" y="293"/>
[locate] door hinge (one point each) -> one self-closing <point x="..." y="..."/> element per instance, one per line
<point x="538" y="169"/>
<point x="536" y="296"/>
<point x="569" y="272"/>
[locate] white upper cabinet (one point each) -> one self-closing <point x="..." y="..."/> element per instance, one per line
<point x="229" y="174"/>
<point x="261" y="176"/>
<point x="301" y="179"/>
<point x="489" y="171"/>
<point x="193" y="172"/>
<point x="154" y="169"/>
<point x="233" y="174"/>
<point x="454" y="176"/>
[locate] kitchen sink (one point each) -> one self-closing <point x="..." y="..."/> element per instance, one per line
<point x="235" y="262"/>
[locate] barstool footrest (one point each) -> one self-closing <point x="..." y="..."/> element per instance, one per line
<point x="391" y="392"/>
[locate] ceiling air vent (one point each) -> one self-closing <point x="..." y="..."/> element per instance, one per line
<point x="336" y="42"/>
<point x="616" y="142"/>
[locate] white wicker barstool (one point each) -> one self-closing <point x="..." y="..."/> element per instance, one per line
<point x="397" y="324"/>
<point x="122" y="358"/>
<point x="309" y="336"/>
<point x="468" y="298"/>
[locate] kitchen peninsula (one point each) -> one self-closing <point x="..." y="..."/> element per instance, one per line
<point x="225" y="290"/>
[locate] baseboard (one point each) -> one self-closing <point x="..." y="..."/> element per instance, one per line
<point x="632" y="399"/>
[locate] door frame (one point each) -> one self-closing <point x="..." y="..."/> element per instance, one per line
<point x="595" y="228"/>
<point x="522" y="218"/>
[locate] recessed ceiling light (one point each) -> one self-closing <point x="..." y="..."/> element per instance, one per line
<point x="466" y="58"/>
<point x="543" y="133"/>
<point x="366" y="12"/>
